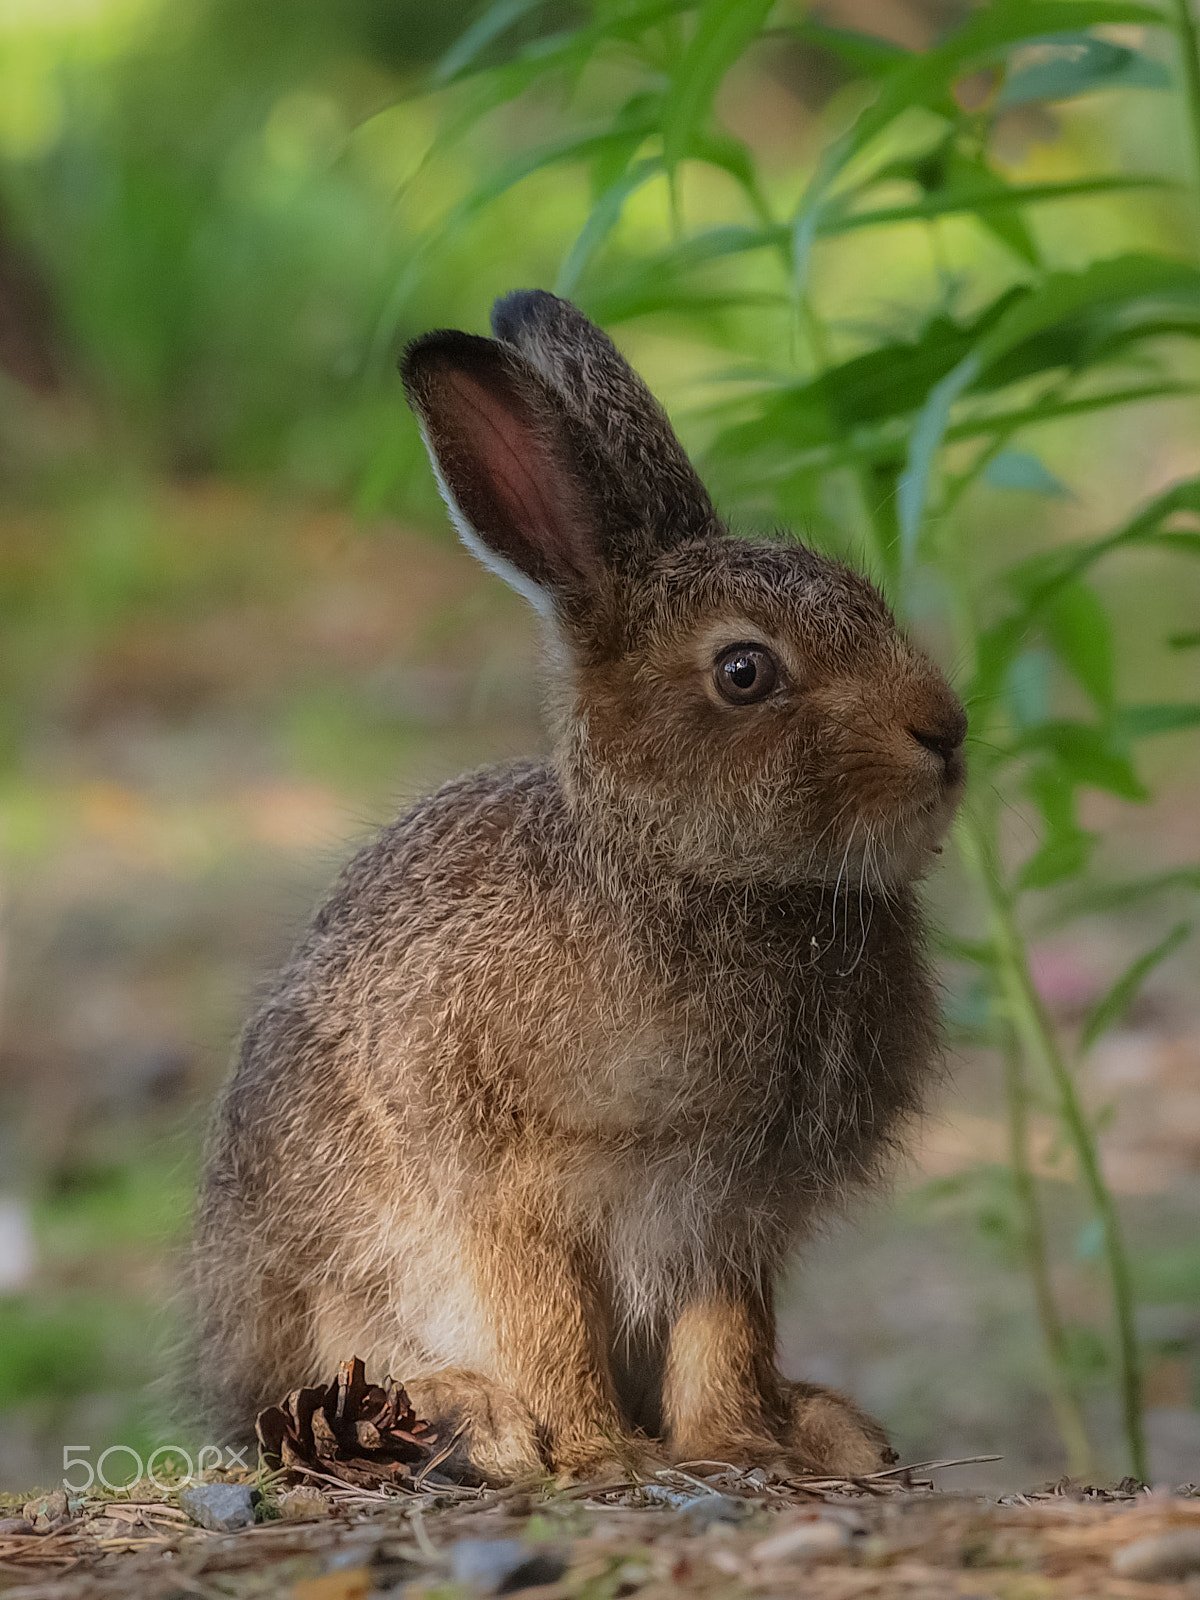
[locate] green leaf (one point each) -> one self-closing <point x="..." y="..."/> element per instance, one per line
<point x="1064" y="855"/>
<point x="1183" y="641"/>
<point x="584" y="145"/>
<point x="471" y="44"/>
<point x="1106" y="897"/>
<point x="603" y="219"/>
<point x="974" y="952"/>
<point x="927" y="80"/>
<point x="1142" y="722"/>
<point x="1089" y="1241"/>
<point x="1068" y="305"/>
<point x="864" y="53"/>
<point x="1079" y="628"/>
<point x="1085" y="755"/>
<point x="1027" y="687"/>
<point x="723" y="31"/>
<point x="1070" y="64"/>
<point x="923" y="445"/>
<point x="1112" y="1006"/>
<point x="981" y="199"/>
<point x="1021" y="469"/>
<point x="1066" y="848"/>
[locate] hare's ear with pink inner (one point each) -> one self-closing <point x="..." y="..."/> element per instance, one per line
<point x="510" y="463"/>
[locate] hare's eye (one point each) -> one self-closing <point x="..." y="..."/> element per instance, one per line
<point x="745" y="673"/>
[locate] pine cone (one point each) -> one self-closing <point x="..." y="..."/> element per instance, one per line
<point x="360" y="1432"/>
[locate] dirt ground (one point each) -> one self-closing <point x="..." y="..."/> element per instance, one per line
<point x="728" y="1535"/>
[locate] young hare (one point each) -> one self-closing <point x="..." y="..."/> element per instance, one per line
<point x="579" y="1049"/>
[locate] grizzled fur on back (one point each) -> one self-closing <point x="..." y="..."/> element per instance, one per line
<point x="576" y="1052"/>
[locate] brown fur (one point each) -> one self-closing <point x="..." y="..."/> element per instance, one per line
<point x="577" y="1052"/>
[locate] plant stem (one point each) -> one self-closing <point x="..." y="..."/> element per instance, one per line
<point x="1035" y="1030"/>
<point x="1064" y="1393"/>
<point x="1189" y="60"/>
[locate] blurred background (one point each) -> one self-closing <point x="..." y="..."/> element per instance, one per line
<point x="236" y="635"/>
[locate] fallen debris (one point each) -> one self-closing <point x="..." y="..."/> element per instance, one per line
<point x="365" y="1434"/>
<point x="844" y="1540"/>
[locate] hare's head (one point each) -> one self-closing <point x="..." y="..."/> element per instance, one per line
<point x="736" y="709"/>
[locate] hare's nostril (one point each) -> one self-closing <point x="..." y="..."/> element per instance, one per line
<point x="942" y="742"/>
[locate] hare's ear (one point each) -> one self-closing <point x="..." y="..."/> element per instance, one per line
<point x="666" y="501"/>
<point x="506" y="462"/>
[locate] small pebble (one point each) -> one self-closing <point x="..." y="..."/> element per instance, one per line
<point x="804" y="1541"/>
<point x="219" y="1507"/>
<point x="45" y="1510"/>
<point x="705" y="1509"/>
<point x="502" y="1566"/>
<point x="1159" y="1558"/>
<point x="297" y="1504"/>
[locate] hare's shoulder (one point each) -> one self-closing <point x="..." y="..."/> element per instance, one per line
<point x="497" y="828"/>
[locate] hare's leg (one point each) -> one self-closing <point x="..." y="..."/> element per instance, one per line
<point x="721" y="1395"/>
<point x="540" y="1301"/>
<point x="724" y="1400"/>
<point x="826" y="1432"/>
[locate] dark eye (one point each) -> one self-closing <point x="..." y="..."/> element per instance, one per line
<point x="745" y="673"/>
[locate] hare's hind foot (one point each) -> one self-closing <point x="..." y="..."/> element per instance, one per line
<point x="495" y="1435"/>
<point x="825" y="1432"/>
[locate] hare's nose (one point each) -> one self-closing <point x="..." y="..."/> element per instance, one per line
<point x="945" y="742"/>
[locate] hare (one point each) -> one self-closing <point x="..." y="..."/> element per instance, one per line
<point x="580" y="1049"/>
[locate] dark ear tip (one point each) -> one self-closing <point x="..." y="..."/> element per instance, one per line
<point x="444" y="347"/>
<point x="524" y="308"/>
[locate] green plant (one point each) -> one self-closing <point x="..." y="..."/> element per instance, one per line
<point x="883" y="441"/>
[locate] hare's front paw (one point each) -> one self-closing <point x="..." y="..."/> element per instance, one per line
<point x="828" y="1434"/>
<point x="496" y="1437"/>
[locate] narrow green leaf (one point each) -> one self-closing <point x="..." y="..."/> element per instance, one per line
<point x="603" y="219"/>
<point x="865" y="53"/>
<point x="983" y="201"/>
<point x="1021" y="469"/>
<point x="1183" y="641"/>
<point x="1020" y="335"/>
<point x="1063" y="855"/>
<point x="469" y="45"/>
<point x="924" y="443"/>
<point x="1119" y="896"/>
<point x="1086" y="755"/>
<point x="1142" y="722"/>
<point x="1079" y="628"/>
<point x="1066" y="848"/>
<point x="1112" y="1006"/>
<point x="1070" y="64"/>
<point x="973" y="952"/>
<point x="1027" y="687"/>
<point x="927" y="80"/>
<point x="724" y="29"/>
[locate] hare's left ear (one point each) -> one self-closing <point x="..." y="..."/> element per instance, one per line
<point x="510" y="462"/>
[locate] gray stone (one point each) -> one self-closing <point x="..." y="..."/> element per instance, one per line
<point x="1160" y="1557"/>
<point x="502" y="1566"/>
<point x="705" y="1509"/>
<point x="220" y="1507"/>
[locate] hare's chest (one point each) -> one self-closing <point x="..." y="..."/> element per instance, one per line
<point x="805" y="1038"/>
